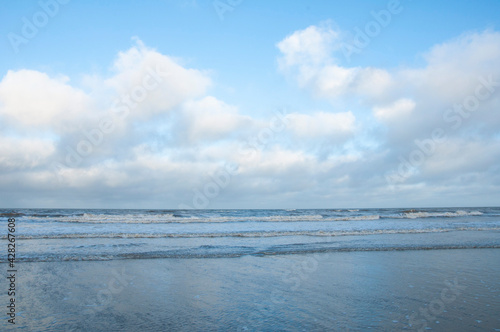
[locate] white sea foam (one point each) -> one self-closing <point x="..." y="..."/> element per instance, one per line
<point x="171" y="218"/>
<point x="252" y="234"/>
<point x="221" y="251"/>
<point x="117" y="234"/>
<point x="370" y="217"/>
<point x="178" y="218"/>
<point x="423" y="214"/>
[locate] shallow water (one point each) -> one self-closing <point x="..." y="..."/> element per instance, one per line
<point x="65" y="234"/>
<point x="337" y="291"/>
<point x="255" y="270"/>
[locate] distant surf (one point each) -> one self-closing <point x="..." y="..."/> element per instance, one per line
<point x="190" y="217"/>
<point x="98" y="234"/>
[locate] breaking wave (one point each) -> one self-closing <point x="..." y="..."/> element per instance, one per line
<point x="221" y="252"/>
<point x="166" y="218"/>
<point x="423" y="214"/>
<point x="250" y="234"/>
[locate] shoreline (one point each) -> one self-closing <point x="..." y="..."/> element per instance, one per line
<point x="339" y="291"/>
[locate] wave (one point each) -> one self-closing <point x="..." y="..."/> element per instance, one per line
<point x="355" y="218"/>
<point x="413" y="214"/>
<point x="249" y="234"/>
<point x="222" y="252"/>
<point x="111" y="218"/>
<point x="175" y="218"/>
<point x="11" y="214"/>
<point x="165" y="218"/>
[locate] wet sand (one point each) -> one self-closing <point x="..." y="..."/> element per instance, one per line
<point x="441" y="290"/>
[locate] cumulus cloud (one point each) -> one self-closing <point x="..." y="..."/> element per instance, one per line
<point x="154" y="83"/>
<point x="322" y="124"/>
<point x="312" y="58"/>
<point x="453" y="71"/>
<point x="24" y="153"/>
<point x="456" y="92"/>
<point x="53" y="126"/>
<point x="401" y="108"/>
<point x="150" y="129"/>
<point x="209" y="119"/>
<point x="309" y="47"/>
<point x="33" y="99"/>
<point x="308" y="56"/>
<point x="459" y="157"/>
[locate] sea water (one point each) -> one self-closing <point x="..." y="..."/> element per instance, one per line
<point x="256" y="270"/>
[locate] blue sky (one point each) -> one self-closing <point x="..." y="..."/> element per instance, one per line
<point x="357" y="129"/>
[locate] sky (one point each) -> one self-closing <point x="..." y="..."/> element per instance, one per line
<point x="167" y="104"/>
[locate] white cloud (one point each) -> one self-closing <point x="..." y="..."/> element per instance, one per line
<point x="311" y="46"/>
<point x="24" y="153"/>
<point x="166" y="83"/>
<point x="322" y="124"/>
<point x="462" y="156"/>
<point x="336" y="81"/>
<point x="454" y="67"/>
<point x="415" y="99"/>
<point x="412" y="103"/>
<point x="209" y="119"/>
<point x="179" y="134"/>
<point x="401" y="108"/>
<point x="308" y="56"/>
<point x="31" y="98"/>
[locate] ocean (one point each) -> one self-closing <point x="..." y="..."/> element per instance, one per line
<point x="82" y="235"/>
<point x="255" y="270"/>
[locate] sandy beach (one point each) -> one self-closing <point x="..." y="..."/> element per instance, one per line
<point x="444" y="290"/>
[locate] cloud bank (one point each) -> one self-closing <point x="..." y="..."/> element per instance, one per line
<point x="149" y="133"/>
